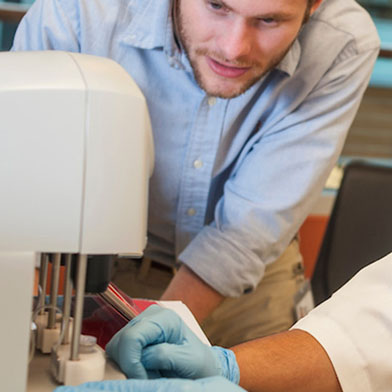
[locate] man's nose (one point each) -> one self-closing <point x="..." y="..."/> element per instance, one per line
<point x="236" y="42"/>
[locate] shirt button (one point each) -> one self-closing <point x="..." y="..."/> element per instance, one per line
<point x="197" y="164"/>
<point x="191" y="212"/>
<point x="211" y="101"/>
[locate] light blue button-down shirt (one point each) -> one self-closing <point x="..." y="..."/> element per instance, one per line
<point x="234" y="178"/>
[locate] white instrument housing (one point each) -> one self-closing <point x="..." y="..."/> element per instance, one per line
<point x="76" y="154"/>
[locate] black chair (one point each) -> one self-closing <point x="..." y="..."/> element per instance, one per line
<point x="359" y="230"/>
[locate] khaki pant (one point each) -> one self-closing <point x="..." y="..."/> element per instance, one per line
<point x="266" y="310"/>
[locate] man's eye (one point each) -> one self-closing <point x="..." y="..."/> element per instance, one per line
<point x="267" y="22"/>
<point x="215" y="6"/>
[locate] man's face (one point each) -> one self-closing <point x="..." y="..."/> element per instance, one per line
<point x="232" y="43"/>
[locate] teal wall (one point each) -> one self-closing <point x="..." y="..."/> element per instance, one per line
<point x="7" y="30"/>
<point x="382" y="74"/>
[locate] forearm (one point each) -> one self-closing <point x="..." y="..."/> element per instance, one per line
<point x="292" y="361"/>
<point x="200" y="298"/>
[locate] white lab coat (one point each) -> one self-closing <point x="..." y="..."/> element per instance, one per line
<point x="355" y="328"/>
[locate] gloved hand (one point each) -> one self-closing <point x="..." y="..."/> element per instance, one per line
<point x="211" y="384"/>
<point x="158" y="343"/>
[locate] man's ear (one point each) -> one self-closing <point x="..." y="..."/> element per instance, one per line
<point x="315" y="5"/>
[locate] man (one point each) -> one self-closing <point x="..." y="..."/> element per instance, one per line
<point x="345" y="344"/>
<point x="250" y="103"/>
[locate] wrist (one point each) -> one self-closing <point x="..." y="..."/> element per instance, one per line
<point x="228" y="366"/>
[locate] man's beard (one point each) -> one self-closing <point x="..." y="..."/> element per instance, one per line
<point x="256" y="70"/>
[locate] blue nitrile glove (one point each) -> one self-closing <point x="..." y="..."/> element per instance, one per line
<point x="157" y="343"/>
<point x="211" y="384"/>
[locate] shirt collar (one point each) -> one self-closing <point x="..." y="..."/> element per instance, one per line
<point x="290" y="61"/>
<point x="151" y="26"/>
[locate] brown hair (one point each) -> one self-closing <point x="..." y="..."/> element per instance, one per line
<point x="307" y="12"/>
